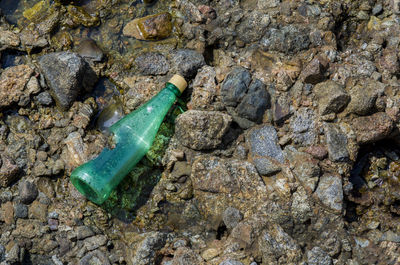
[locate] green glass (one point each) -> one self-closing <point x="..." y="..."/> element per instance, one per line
<point x="133" y="136"/>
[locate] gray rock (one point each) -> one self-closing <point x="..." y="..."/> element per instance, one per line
<point x="255" y="102"/>
<point x="186" y="256"/>
<point x="88" y="49"/>
<point x="253" y="27"/>
<point x="235" y="86"/>
<point x="266" y="166"/>
<point x="146" y="250"/>
<point x="377" y="9"/>
<point x="83" y="232"/>
<point x="20" y="210"/>
<point x="303" y="127"/>
<point x="2" y="253"/>
<point x="13" y="255"/>
<point x="96" y="257"/>
<point x="187" y="62"/>
<point x="94" y="242"/>
<point x="152" y="63"/>
<point x="201" y="130"/>
<point x="231" y="262"/>
<point x="231" y="217"/>
<point x="204" y="89"/>
<point x="44" y="98"/>
<point x="336" y="142"/>
<point x="363" y="97"/>
<point x="27" y="192"/>
<point x="317" y="256"/>
<point x="331" y="96"/>
<point x="330" y="191"/>
<point x="287" y="39"/>
<point x="66" y="74"/>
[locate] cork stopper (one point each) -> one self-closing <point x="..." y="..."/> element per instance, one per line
<point x="179" y="82"/>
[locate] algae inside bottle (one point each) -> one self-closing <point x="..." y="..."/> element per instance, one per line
<point x="133" y="136"/>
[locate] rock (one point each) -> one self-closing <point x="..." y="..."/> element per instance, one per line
<point x="204" y="89"/>
<point x="305" y="168"/>
<point x="255" y="102"/>
<point x="191" y="11"/>
<point x="275" y="244"/>
<point x="395" y="4"/>
<point x="317" y="256"/>
<point x="231" y="217"/>
<point x="27" y="192"/>
<point x="83" y="232"/>
<point x="372" y="128"/>
<point x="13" y="254"/>
<point x="44" y="98"/>
<point x="388" y="62"/>
<point x="88" y="49"/>
<point x="314" y="72"/>
<point x="152" y="63"/>
<point x="2" y="253"/>
<point x="21" y="210"/>
<point x="187" y="62"/>
<point x="263" y="4"/>
<point x="332" y="98"/>
<point x="336" y="142"/>
<point x="13" y="84"/>
<point x="330" y="191"/>
<point x="38" y="210"/>
<point x="210" y="253"/>
<point x="94" y="242"/>
<point x="66" y="74"/>
<point x="31" y="38"/>
<point x="8" y="213"/>
<point x="281" y="109"/>
<point x="201" y="130"/>
<point x="8" y="39"/>
<point x="96" y="257"/>
<point x="317" y="151"/>
<point x="53" y="224"/>
<point x="186" y="256"/>
<point x="8" y="171"/>
<point x="303" y="127"/>
<point x="300" y="208"/>
<point x="235" y="86"/>
<point x="77" y="150"/>
<point x="265" y="150"/>
<point x="146" y="250"/>
<point x="363" y="97"/>
<point x="153" y="27"/>
<point x="253" y="26"/>
<point x="287" y="39"/>
<point x="231" y="262"/>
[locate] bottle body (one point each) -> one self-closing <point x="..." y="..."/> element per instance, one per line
<point x="133" y="136"/>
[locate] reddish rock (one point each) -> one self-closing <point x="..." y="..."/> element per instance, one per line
<point x="372" y="128"/>
<point x="154" y="27"/>
<point x="314" y="72"/>
<point x="8" y="171"/>
<point x="388" y="61"/>
<point x="208" y="12"/>
<point x="8" y="213"/>
<point x="12" y="84"/>
<point x="317" y="151"/>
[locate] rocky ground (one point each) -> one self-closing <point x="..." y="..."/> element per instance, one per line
<point x="283" y="150"/>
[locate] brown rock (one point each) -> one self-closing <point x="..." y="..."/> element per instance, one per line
<point x="154" y="27"/>
<point x="204" y="89"/>
<point x="314" y="72"/>
<point x="317" y="151"/>
<point x="38" y="211"/>
<point x="8" y="171"/>
<point x="388" y="61"/>
<point x="8" y="213"/>
<point x="372" y="128"/>
<point x="8" y="39"/>
<point x="12" y="84"/>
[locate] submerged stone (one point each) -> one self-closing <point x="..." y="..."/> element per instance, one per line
<point x="88" y="49"/>
<point x="154" y="27"/>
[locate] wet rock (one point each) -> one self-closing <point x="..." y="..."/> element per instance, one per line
<point x="330" y="192"/>
<point x="363" y="97"/>
<point x="314" y="72"/>
<point x="153" y="27"/>
<point x="77" y="15"/>
<point x="317" y="256"/>
<point x="201" y="130"/>
<point x="184" y="255"/>
<point x="152" y="63"/>
<point x="275" y="244"/>
<point x="8" y="39"/>
<point x="187" y="62"/>
<point x="303" y="127"/>
<point x="21" y="210"/>
<point x="31" y="38"/>
<point x="253" y="27"/>
<point x="287" y="39"/>
<point x="44" y="98"/>
<point x="96" y="257"/>
<point x="88" y="49"/>
<point x="231" y="262"/>
<point x="231" y="217"/>
<point x="332" y="98"/>
<point x="27" y="192"/>
<point x="66" y="74"/>
<point x="77" y="154"/>
<point x="372" y="128"/>
<point x="95" y="242"/>
<point x="8" y="171"/>
<point x="265" y="150"/>
<point x="13" y="82"/>
<point x="204" y="89"/>
<point x="336" y="142"/>
<point x="146" y="250"/>
<point x="235" y="86"/>
<point x="191" y="11"/>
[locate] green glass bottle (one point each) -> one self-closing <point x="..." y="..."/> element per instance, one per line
<point x="133" y="136"/>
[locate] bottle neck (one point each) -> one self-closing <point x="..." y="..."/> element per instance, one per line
<point x="171" y="87"/>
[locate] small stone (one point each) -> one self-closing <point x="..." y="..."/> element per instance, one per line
<point x="66" y="74"/>
<point x="8" y="39"/>
<point x="8" y="171"/>
<point x="27" y="192"/>
<point x="2" y="253"/>
<point x="13" y="254"/>
<point x="89" y="49"/>
<point x="201" y="130"/>
<point x="372" y="128"/>
<point x="231" y="262"/>
<point x="187" y="62"/>
<point x="146" y="250"/>
<point x="53" y="224"/>
<point x="38" y="211"/>
<point x="153" y="27"/>
<point x="8" y="213"/>
<point x="388" y="62"/>
<point x="231" y="217"/>
<point x="377" y="9"/>
<point x="287" y="39"/>
<point x="255" y="102"/>
<point x="191" y="11"/>
<point x="95" y="242"/>
<point x="317" y="256"/>
<point x="235" y="86"/>
<point x="332" y="98"/>
<point x="306" y="169"/>
<point x="13" y="81"/>
<point x="300" y="208"/>
<point x="330" y="191"/>
<point x="303" y="127"/>
<point x="363" y="97"/>
<point x="204" y="89"/>
<point x="76" y="149"/>
<point x="83" y="232"/>
<point x="314" y="72"/>
<point x="253" y="27"/>
<point x="281" y="109"/>
<point x="53" y="215"/>
<point x="210" y="253"/>
<point x="152" y="63"/>
<point x="96" y="257"/>
<point x="184" y="255"/>
<point x="336" y="142"/>
<point x="317" y="151"/>
<point x="396" y="6"/>
<point x="21" y="210"/>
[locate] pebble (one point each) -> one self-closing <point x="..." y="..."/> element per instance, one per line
<point x="231" y="262"/>
<point x="83" y="232"/>
<point x="152" y="63"/>
<point x="330" y="191"/>
<point x="21" y="210"/>
<point x="44" y="98"/>
<point x="153" y="27"/>
<point x="187" y="62"/>
<point x="336" y="142"/>
<point x="317" y="256"/>
<point x="372" y="128"/>
<point x="27" y="192"/>
<point x="332" y="98"/>
<point x="235" y="86"/>
<point x="89" y="49"/>
<point x="146" y="251"/>
<point x="287" y="39"/>
<point x="94" y="242"/>
<point x="231" y="217"/>
<point x="53" y="224"/>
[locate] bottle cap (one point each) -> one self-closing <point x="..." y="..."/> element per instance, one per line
<point x="179" y="82"/>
